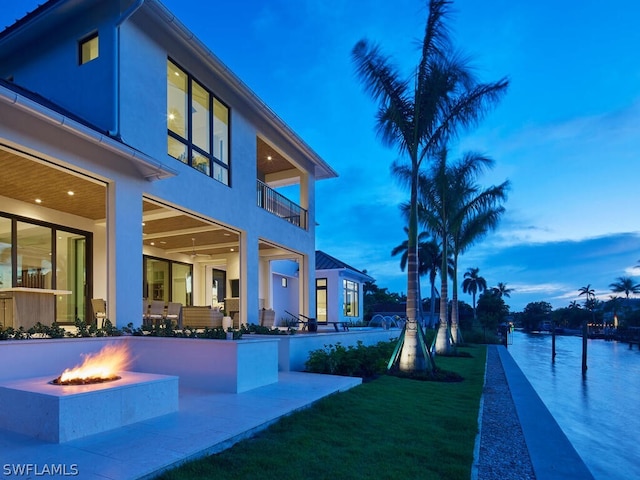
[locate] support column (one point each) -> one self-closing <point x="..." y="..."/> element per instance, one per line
<point x="249" y="277"/>
<point x="124" y="253"/>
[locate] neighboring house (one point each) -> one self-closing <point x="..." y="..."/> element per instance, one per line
<point x="339" y="292"/>
<point x="136" y="165"/>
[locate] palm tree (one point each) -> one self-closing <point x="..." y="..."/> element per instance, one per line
<point x="458" y="212"/>
<point x="625" y="285"/>
<point x="418" y="116"/>
<point x="587" y="291"/>
<point x="502" y="290"/>
<point x="476" y="211"/>
<point x="473" y="284"/>
<point x="574" y="304"/>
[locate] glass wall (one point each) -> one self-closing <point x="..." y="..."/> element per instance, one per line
<point x="71" y="274"/>
<point x="47" y="256"/>
<point x="35" y="256"/>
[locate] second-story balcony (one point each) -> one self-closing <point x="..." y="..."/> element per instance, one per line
<point x="280" y="205"/>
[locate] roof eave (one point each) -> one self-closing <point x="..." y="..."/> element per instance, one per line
<point x="148" y="167"/>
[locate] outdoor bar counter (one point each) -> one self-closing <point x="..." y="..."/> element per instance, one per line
<point x="24" y="307"/>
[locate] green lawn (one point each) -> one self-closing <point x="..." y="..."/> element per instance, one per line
<point x="385" y="429"/>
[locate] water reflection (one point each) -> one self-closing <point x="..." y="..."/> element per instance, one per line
<point x="597" y="411"/>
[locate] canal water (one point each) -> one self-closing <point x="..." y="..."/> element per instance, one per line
<point x="599" y="413"/>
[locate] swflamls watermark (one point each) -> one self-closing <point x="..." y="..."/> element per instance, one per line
<point x="40" y="470"/>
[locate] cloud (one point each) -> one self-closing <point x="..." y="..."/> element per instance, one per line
<point x="554" y="271"/>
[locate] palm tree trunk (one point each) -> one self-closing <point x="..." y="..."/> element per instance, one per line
<point x="432" y="310"/>
<point x="475" y="316"/>
<point x="454" y="303"/>
<point x="411" y="357"/>
<point x="442" y="338"/>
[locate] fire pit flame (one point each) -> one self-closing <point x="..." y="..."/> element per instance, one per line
<point x="102" y="366"/>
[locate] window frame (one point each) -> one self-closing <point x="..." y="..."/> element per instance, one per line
<point x="355" y="291"/>
<point x="87" y="294"/>
<point x="188" y="143"/>
<point x="322" y="284"/>
<point x="168" y="296"/>
<point x="82" y="42"/>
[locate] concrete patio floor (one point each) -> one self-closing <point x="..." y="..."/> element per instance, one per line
<point x="206" y="423"/>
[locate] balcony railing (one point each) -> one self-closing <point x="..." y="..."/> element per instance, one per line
<point x="281" y="206"/>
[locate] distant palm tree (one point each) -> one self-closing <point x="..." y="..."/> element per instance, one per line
<point x="587" y="291"/>
<point x="473" y="284"/>
<point x="502" y="291"/>
<point x="418" y="115"/>
<point x="614" y="305"/>
<point x="574" y="304"/>
<point x="625" y="285"/>
<point x="590" y="304"/>
<point x="590" y="299"/>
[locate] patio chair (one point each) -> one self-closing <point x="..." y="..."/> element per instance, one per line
<point x="156" y="311"/>
<point x="99" y="307"/>
<point x="174" y="313"/>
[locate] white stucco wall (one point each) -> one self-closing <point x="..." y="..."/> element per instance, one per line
<point x="137" y="100"/>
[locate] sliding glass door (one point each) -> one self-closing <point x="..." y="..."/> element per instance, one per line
<point x="38" y="255"/>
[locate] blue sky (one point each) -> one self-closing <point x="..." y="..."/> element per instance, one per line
<point x="567" y="134"/>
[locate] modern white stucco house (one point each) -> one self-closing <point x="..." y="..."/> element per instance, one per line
<point x="136" y="165"/>
<point x="339" y="292"/>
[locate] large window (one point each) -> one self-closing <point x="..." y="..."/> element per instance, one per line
<point x="197" y="125"/>
<point x="351" y="296"/>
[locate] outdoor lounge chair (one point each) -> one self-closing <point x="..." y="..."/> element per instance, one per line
<point x="267" y="318"/>
<point x="99" y="307"/>
<point x="296" y="320"/>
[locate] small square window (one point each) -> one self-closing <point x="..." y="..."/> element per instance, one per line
<point x="89" y="49"/>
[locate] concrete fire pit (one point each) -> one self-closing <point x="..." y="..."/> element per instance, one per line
<point x="57" y="414"/>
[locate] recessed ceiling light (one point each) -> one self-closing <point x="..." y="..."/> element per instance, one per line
<point x="153" y="243"/>
<point x="70" y="193"/>
<point x="143" y="224"/>
<point x="38" y="200"/>
<point x="172" y="116"/>
<point x="232" y="250"/>
<point x="269" y="157"/>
